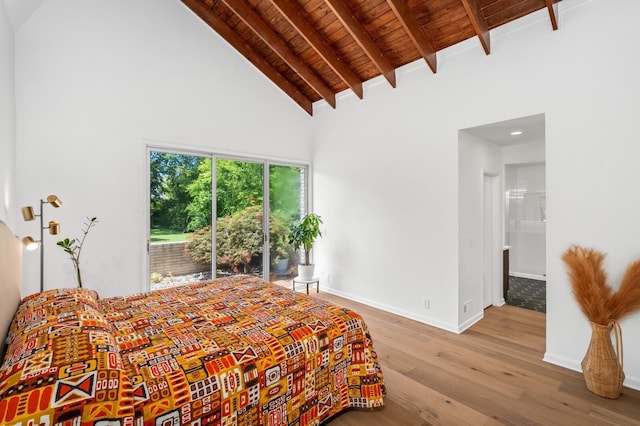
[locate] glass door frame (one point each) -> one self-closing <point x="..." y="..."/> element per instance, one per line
<point x="266" y="163"/>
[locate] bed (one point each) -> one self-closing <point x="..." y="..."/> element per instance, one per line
<point x="232" y="351"/>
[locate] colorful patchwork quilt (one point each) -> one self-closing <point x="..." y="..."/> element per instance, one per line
<point x="233" y="351"/>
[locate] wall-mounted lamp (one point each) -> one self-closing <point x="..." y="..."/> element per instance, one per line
<point x="54" y="229"/>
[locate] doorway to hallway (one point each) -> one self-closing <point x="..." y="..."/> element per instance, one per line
<point x="525" y="234"/>
<point x="489" y="150"/>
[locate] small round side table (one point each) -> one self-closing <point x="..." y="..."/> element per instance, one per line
<point x="314" y="280"/>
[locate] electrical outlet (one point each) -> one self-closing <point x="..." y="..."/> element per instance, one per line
<point x="467" y="306"/>
<point x="427" y="303"/>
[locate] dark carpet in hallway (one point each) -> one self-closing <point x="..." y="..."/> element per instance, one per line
<point x="527" y="293"/>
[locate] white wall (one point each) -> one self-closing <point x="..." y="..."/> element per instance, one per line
<point x="96" y="82"/>
<point x="476" y="158"/>
<point x="8" y="209"/>
<point x="386" y="175"/>
<point x="524" y="153"/>
<point x="19" y="11"/>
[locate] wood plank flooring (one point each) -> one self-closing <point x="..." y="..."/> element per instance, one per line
<point x="492" y="374"/>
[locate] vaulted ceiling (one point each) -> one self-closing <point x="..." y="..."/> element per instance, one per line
<point x="313" y="49"/>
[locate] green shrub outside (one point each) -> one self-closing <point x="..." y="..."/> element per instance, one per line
<point x="239" y="239"/>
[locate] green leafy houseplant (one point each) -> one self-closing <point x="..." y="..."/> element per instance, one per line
<point x="73" y="247"/>
<point x="304" y="234"/>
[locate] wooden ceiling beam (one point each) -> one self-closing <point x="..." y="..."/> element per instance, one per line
<point x="273" y="40"/>
<point x="346" y="16"/>
<point x="415" y="32"/>
<point x="238" y="43"/>
<point x="479" y="23"/>
<point x="552" y="6"/>
<point x="319" y="44"/>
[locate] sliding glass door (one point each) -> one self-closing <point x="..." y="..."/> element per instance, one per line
<point x="255" y="203"/>
<point x="240" y="218"/>
<point x="179" y="249"/>
<point x="287" y="204"/>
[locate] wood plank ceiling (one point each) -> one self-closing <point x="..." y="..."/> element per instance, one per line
<point x="313" y="49"/>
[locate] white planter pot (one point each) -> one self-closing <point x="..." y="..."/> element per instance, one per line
<point x="305" y="272"/>
<point x="282" y="265"/>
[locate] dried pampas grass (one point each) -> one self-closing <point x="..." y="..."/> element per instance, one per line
<point x="588" y="279"/>
<point x="627" y="298"/>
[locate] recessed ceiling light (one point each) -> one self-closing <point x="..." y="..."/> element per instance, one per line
<point x="516" y="133"/>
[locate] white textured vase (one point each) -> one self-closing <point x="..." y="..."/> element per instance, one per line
<point x="305" y="272"/>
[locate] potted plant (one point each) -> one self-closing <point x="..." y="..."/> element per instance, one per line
<point x="73" y="247"/>
<point x="303" y="235"/>
<point x="281" y="261"/>
<point x="604" y="308"/>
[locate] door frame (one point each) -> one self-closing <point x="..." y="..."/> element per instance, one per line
<point x="266" y="161"/>
<point x="491" y="186"/>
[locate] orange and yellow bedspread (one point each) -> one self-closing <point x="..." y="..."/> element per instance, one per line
<point x="234" y="351"/>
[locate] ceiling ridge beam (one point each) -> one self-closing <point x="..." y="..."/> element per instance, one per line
<point x="552" y="7"/>
<point x="241" y="45"/>
<point x="277" y="44"/>
<point x="415" y="32"/>
<point x="364" y="40"/>
<point x="478" y="22"/>
<point x="319" y="44"/>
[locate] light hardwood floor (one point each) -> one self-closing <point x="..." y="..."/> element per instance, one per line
<point x="491" y="374"/>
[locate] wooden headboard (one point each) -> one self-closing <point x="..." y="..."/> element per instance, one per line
<point x="10" y="280"/>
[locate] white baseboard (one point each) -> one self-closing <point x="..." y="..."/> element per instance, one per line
<point x="632" y="382"/>
<point x="572" y="364"/>
<point x="471" y="321"/>
<point x="402" y="313"/>
<point x="529" y="276"/>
